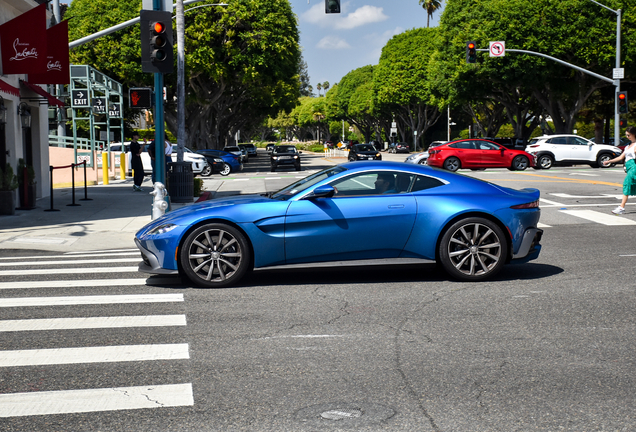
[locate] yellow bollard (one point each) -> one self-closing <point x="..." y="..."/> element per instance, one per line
<point x="122" y="165"/>
<point x="105" y="172"/>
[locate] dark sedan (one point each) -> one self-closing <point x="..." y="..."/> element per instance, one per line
<point x="285" y="155"/>
<point x="364" y="152"/>
<point x="231" y="162"/>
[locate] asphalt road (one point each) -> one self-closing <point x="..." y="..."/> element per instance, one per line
<point x="546" y="346"/>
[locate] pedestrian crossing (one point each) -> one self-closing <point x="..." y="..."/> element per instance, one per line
<point x="85" y="308"/>
<point x="564" y="209"/>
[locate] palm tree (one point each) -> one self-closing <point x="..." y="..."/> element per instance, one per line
<point x="325" y="86"/>
<point x="318" y="87"/>
<point x="431" y="7"/>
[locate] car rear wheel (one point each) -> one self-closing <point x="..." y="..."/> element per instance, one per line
<point x="215" y="255"/>
<point x="452" y="164"/>
<point x="297" y="167"/>
<point x="545" y="161"/>
<point x="207" y="171"/>
<point x="473" y="249"/>
<point x="520" y="163"/>
<point x="422" y="162"/>
<point x="227" y="169"/>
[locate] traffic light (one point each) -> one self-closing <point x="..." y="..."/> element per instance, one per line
<point x="140" y="97"/>
<point x="156" y="41"/>
<point x="622" y="123"/>
<point x="622" y="102"/>
<point x="471" y="52"/>
<point x="332" y="6"/>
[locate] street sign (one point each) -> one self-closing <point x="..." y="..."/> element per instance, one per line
<point x="99" y="105"/>
<point x="497" y="49"/>
<point x="618" y="73"/>
<point x="114" y="110"/>
<point x="140" y="97"/>
<point x="79" y="99"/>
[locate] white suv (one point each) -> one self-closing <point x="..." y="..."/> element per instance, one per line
<point x="553" y="150"/>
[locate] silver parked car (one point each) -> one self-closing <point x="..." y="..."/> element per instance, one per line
<point x="422" y="157"/>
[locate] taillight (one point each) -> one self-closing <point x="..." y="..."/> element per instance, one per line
<point x="533" y="146"/>
<point x="432" y="152"/>
<point x="534" y="204"/>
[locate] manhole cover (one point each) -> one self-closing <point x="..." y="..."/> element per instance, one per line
<point x="339" y="414"/>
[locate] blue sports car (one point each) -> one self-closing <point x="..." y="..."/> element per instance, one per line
<point x="353" y="211"/>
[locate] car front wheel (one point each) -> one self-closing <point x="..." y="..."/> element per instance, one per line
<point x="545" y="161"/>
<point x="520" y="163"/>
<point x="473" y="249"/>
<point x="602" y="159"/>
<point x="452" y="164"/>
<point x="207" y="171"/>
<point x="227" y="169"/>
<point x="215" y="255"/>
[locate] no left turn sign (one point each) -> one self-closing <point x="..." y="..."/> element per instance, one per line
<point x="497" y="49"/>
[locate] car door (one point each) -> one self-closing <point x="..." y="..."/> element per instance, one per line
<point x="492" y="155"/>
<point x="467" y="153"/>
<point x="579" y="149"/>
<point x="356" y="223"/>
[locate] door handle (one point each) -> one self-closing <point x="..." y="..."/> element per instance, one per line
<point x="396" y="206"/>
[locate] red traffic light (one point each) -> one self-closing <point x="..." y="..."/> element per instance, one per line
<point x="471" y="45"/>
<point x="621" y="96"/>
<point x="158" y="27"/>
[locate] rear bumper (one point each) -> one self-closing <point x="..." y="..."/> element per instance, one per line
<point x="530" y="246"/>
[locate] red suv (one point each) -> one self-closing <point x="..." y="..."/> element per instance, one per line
<point x="478" y="153"/>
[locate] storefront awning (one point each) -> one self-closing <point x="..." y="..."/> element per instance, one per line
<point x="9" y="89"/>
<point x="39" y="90"/>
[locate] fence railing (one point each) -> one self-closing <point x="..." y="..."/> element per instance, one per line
<point x="78" y="144"/>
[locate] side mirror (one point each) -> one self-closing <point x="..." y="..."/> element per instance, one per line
<point x="325" y="191"/>
<point x="299" y="152"/>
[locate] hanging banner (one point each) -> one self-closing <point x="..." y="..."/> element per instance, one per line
<point x="57" y="59"/>
<point x="23" y="43"/>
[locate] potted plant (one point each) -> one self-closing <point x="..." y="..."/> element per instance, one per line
<point x="8" y="183"/>
<point x="27" y="185"/>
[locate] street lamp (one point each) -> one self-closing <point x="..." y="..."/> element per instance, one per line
<point x="24" y="111"/>
<point x="617" y="79"/>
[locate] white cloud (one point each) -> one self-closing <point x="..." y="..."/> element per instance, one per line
<point x="362" y="16"/>
<point x="332" y="42"/>
<point x="375" y="42"/>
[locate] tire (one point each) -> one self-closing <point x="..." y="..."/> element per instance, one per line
<point x="473" y="249"/>
<point x="227" y="169"/>
<point x="352" y="160"/>
<point x="422" y="162"/>
<point x="520" y="163"/>
<point x="602" y="158"/>
<point x="452" y="164"/>
<point x="297" y="167"/>
<point x="207" y="171"/>
<point x="273" y="168"/>
<point x="545" y="161"/>
<point x="215" y="255"/>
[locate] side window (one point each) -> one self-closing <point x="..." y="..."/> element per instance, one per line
<point x="466" y="145"/>
<point x="579" y="141"/>
<point x="483" y="145"/>
<point x="371" y="183"/>
<point x="422" y="183"/>
<point x="558" y="140"/>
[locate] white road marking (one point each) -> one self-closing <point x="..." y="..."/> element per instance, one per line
<point x="102" y="251"/>
<point x="584" y="174"/>
<point x="92" y="323"/>
<point x="74" y="283"/>
<point x="541" y="225"/>
<point x="16" y="258"/>
<point x="93" y="400"/>
<point x="72" y="261"/>
<point x="41" y="240"/>
<point x="33" y="272"/>
<point x="552" y="203"/>
<point x="88" y="300"/>
<point x="564" y="195"/>
<point x="102" y="354"/>
<point x="598" y="217"/>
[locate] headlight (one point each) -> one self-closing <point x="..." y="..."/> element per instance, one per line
<point x="295" y="157"/>
<point x="162" y="229"/>
<point x="274" y="157"/>
<point x="218" y="160"/>
<point x="377" y="155"/>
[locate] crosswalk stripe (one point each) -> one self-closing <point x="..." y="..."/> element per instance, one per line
<point x="92" y="323"/>
<point x="542" y="225"/>
<point x="70" y="261"/>
<point x="86" y="300"/>
<point x="33" y="272"/>
<point x="102" y="354"/>
<point x="92" y="400"/>
<point x="598" y="217"/>
<point x="75" y="283"/>
<point x="102" y="251"/>
<point x="17" y="258"/>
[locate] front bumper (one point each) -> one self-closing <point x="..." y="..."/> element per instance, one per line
<point x="150" y="262"/>
<point x="530" y="246"/>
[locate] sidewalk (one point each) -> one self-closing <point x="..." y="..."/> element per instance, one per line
<point x="109" y="221"/>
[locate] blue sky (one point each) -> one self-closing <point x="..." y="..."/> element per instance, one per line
<point x="335" y="44"/>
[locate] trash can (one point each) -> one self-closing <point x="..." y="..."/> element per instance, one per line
<point x="180" y="182"/>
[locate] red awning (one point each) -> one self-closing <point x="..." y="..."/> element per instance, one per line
<point x="8" y="88"/>
<point x="39" y="90"/>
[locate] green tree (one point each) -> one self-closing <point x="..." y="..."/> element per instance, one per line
<point x="401" y="80"/>
<point x="354" y="100"/>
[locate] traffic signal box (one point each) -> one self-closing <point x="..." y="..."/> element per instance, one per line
<point x="156" y="41"/>
<point x="140" y="97"/>
<point x="623" y="108"/>
<point x="471" y="52"/>
<point x="332" y="6"/>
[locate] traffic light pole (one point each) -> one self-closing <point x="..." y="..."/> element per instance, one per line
<point x="160" y="165"/>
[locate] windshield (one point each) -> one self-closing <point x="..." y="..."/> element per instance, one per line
<point x="367" y="147"/>
<point x="301" y="185"/>
<point x="281" y="149"/>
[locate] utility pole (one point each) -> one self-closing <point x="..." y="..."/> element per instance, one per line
<point x="181" y="137"/>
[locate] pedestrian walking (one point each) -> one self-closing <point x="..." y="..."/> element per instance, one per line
<point x="628" y="155"/>
<point x="135" y="162"/>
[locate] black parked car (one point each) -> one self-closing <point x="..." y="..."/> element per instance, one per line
<point x="250" y="149"/>
<point x="285" y="155"/>
<point x="400" y="147"/>
<point x="364" y="152"/>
